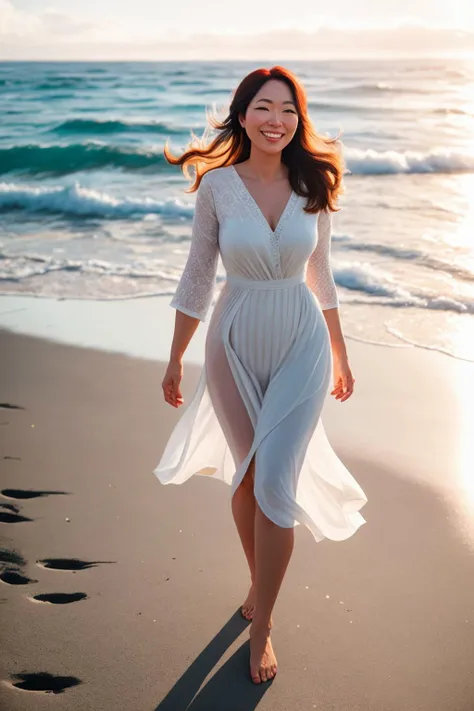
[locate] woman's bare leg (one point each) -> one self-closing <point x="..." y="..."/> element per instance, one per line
<point x="238" y="430"/>
<point x="273" y="549"/>
<point x="243" y="510"/>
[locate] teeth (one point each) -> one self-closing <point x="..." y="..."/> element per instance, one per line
<point x="272" y="135"/>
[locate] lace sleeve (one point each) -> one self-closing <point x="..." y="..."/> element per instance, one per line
<point x="195" y="289"/>
<point x="319" y="276"/>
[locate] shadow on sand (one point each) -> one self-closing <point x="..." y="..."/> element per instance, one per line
<point x="231" y="688"/>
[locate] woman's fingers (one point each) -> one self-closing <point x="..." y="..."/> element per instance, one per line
<point x="171" y="383"/>
<point x="173" y="389"/>
<point x="343" y="389"/>
<point x="172" y="392"/>
<point x="167" y="391"/>
<point x="177" y="392"/>
<point x="347" y="388"/>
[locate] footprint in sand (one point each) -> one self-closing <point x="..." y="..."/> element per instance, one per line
<point x="43" y="682"/>
<point x="11" y="557"/>
<point x="70" y="563"/>
<point x="6" y="517"/>
<point x="10" y="513"/>
<point x="12" y="564"/>
<point x="13" y="577"/>
<point x="28" y="494"/>
<point x="10" y="507"/>
<point x="59" y="598"/>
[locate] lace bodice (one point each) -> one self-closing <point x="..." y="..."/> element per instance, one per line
<point x="227" y="221"/>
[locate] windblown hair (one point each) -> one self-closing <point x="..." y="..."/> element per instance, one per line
<point x="314" y="161"/>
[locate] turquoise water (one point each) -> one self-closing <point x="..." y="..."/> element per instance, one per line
<point x="90" y="209"/>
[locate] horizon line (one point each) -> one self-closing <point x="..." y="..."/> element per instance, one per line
<point x="346" y="58"/>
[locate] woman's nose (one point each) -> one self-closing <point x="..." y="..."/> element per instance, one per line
<point x="275" y="120"/>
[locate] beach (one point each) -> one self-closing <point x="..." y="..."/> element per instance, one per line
<point x="154" y="575"/>
<point x="117" y="592"/>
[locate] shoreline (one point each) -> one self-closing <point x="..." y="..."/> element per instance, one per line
<point x="80" y="322"/>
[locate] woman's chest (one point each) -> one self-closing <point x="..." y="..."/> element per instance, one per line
<point x="242" y="231"/>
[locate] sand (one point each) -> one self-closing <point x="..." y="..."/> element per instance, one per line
<point x="381" y="622"/>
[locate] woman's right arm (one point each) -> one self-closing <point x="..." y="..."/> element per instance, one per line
<point x="193" y="295"/>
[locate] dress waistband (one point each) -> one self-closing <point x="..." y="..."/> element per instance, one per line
<point x="245" y="283"/>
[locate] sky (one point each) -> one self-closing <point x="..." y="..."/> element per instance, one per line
<point x="211" y="29"/>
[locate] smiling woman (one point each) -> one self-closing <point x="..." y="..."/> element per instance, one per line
<point x="269" y="107"/>
<point x="267" y="185"/>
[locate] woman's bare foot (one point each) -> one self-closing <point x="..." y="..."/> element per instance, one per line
<point x="248" y="608"/>
<point x="263" y="663"/>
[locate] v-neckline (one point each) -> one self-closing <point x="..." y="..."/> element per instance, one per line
<point x="250" y="198"/>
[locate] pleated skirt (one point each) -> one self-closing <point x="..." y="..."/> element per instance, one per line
<point x="266" y="375"/>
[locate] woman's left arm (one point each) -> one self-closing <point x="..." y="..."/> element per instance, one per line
<point x="342" y="375"/>
<point x="320" y="279"/>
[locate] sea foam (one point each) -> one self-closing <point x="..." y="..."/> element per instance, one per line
<point x="77" y="201"/>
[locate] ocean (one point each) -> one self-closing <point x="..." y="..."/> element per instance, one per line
<point x="90" y="209"/>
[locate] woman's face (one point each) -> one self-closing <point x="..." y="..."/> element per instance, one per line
<point x="271" y="118"/>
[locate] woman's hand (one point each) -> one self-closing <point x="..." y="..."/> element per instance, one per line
<point x="171" y="382"/>
<point x="343" y="380"/>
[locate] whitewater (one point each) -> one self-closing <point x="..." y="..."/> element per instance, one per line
<point x="90" y="209"/>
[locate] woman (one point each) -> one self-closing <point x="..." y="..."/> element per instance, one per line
<point x="267" y="184"/>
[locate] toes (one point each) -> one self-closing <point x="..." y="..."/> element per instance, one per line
<point x="271" y="671"/>
<point x="245" y="611"/>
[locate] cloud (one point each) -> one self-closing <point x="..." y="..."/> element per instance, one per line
<point x="325" y="42"/>
<point x="60" y="25"/>
<point x="53" y="35"/>
<point x="17" y="23"/>
<point x="46" y="26"/>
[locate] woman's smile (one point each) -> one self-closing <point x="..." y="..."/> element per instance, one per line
<point x="272" y="136"/>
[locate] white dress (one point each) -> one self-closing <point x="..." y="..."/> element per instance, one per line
<point x="268" y="361"/>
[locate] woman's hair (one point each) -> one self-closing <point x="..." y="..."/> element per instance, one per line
<point x="314" y="161"/>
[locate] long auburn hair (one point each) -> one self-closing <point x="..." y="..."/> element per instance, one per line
<point x="314" y="161"/>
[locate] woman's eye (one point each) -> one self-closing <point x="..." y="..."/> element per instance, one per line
<point x="264" y="108"/>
